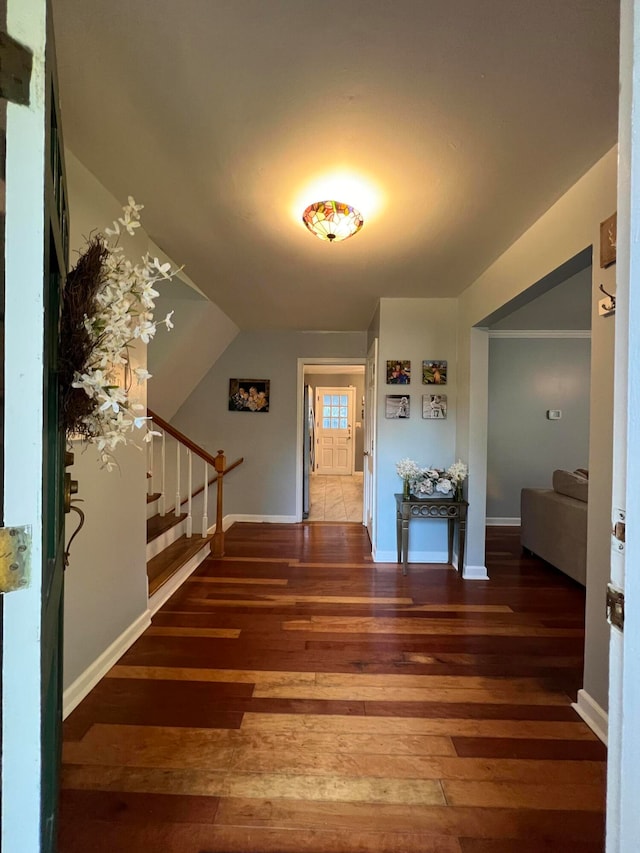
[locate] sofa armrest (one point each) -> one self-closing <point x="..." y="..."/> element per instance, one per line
<point x="554" y="527"/>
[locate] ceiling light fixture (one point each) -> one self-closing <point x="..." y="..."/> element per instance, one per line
<point x="332" y="220"/>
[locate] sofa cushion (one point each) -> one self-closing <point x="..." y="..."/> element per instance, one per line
<point x="571" y="484"/>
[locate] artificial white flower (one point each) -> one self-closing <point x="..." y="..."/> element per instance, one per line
<point x="124" y="313"/>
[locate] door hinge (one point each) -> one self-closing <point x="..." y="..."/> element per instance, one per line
<point x="15" y="558"/>
<point x="619" y="530"/>
<point x="615" y="607"/>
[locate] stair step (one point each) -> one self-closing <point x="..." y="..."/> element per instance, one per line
<point x="159" y="524"/>
<point x="169" y="561"/>
<point x="153" y="497"/>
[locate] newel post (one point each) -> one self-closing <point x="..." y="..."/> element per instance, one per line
<point x="218" y="536"/>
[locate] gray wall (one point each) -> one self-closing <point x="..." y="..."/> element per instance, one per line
<point x="566" y="306"/>
<point x="527" y="377"/>
<point x="265" y="484"/>
<point x="343" y="380"/>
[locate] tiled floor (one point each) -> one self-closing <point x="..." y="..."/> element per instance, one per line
<point x="336" y="498"/>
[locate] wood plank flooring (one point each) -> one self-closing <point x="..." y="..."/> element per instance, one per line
<point x="293" y="696"/>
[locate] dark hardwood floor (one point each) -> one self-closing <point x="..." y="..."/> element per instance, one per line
<point x="294" y="696"/>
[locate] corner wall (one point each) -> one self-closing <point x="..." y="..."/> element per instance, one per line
<point x="105" y="587"/>
<point x="566" y="229"/>
<point x="415" y="330"/>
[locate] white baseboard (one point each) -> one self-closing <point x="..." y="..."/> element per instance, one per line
<point x="84" y="683"/>
<point x="260" y="519"/>
<point x="503" y="522"/>
<point x="594" y="716"/>
<point x="175" y="581"/>
<point x="157" y="545"/>
<point x="475" y="573"/>
<point x="414" y="557"/>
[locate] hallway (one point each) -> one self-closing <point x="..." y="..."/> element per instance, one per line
<point x="335" y="498"/>
<point x="293" y="697"/>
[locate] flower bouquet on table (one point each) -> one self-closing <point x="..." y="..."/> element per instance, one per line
<point x="409" y="471"/>
<point x="435" y="482"/>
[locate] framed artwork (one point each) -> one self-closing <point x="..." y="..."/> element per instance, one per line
<point x="249" y="395"/>
<point x="397" y="406"/>
<point x="434" y="406"/>
<point x="608" y="240"/>
<point x="398" y="372"/>
<point x="434" y="372"/>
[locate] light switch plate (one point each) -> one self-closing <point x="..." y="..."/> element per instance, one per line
<point x="554" y="414"/>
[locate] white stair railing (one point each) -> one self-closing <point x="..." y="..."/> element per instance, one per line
<point x="178" y="501"/>
<point x="163" y="474"/>
<point x="205" y="517"/>
<point x="190" y="494"/>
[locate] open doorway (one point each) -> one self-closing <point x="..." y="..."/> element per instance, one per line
<point x="333" y="442"/>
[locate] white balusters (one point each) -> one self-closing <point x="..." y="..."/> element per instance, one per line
<point x="163" y="497"/>
<point x="150" y="467"/>
<point x="205" y="517"/>
<point x="178" y="500"/>
<point x="189" y="493"/>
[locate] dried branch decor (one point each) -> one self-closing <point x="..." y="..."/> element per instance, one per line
<point x="107" y="305"/>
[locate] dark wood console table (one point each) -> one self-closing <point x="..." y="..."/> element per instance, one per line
<point x="439" y="508"/>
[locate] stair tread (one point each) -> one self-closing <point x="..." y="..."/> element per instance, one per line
<point x="161" y="567"/>
<point x="159" y="524"/>
<point x="153" y="497"/>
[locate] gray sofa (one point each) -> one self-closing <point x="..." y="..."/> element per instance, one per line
<point x="554" y="522"/>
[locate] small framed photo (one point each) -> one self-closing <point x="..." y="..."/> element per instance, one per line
<point x="249" y="395"/>
<point x="434" y="372"/>
<point x="434" y="406"/>
<point x="608" y="240"/>
<point x="397" y="406"/>
<point x="398" y="372"/>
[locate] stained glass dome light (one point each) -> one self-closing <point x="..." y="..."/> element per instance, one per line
<point x="332" y="220"/>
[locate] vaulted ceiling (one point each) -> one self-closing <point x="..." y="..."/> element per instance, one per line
<point x="452" y="126"/>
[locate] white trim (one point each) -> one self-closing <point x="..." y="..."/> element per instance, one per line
<point x="475" y="573"/>
<point x="300" y="426"/>
<point x="539" y="333"/>
<point x="440" y="557"/>
<point x="21" y="769"/>
<point x="503" y="522"/>
<point x="594" y="716"/>
<point x="86" y="681"/>
<point x="256" y="519"/>
<point x="164" y="593"/>
<point x="157" y="545"/>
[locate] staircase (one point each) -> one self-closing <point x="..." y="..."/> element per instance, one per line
<point x="174" y="551"/>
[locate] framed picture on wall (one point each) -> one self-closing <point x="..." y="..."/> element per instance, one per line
<point x="434" y="406"/>
<point x="397" y="406"/>
<point x="249" y="395"/>
<point x="434" y="372"/>
<point x="398" y="372"/>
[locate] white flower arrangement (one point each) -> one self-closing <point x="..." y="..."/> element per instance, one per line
<point x="108" y="305"/>
<point x="428" y="481"/>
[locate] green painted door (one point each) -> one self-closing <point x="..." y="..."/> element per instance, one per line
<point x="56" y="255"/>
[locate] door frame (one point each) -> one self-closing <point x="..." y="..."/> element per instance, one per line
<point x="300" y="417"/>
<point x="24" y="372"/>
<point x="370" y="443"/>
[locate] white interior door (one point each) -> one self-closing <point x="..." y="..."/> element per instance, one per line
<point x="623" y="815"/>
<point x="369" y="437"/>
<point x="334" y="430"/>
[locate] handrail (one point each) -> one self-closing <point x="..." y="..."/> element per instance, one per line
<point x="193" y="447"/>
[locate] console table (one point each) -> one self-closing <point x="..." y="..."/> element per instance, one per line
<point x="439" y="508"/>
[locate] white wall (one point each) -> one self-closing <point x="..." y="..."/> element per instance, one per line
<point x="417" y="330"/>
<point x="565" y="230"/>
<point x="528" y="376"/>
<point x="106" y="583"/>
<point x="265" y="485"/>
